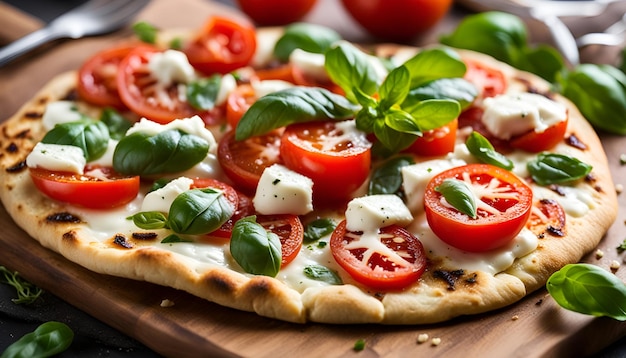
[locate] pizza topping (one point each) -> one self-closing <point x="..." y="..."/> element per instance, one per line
<point x="255" y="249"/>
<point x="162" y="198"/>
<point x="387" y="178"/>
<point x="89" y="135"/>
<point x="322" y="273"/>
<point x="283" y="191"/>
<point x="369" y="213"/>
<point x="57" y="157"/>
<point x="60" y="112"/>
<point x="169" y="67"/>
<point x="482" y="149"/>
<point x="553" y="168"/>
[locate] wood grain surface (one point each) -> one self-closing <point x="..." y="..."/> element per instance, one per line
<point x="534" y="327"/>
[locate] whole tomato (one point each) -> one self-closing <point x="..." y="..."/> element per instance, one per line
<point x="275" y="12"/>
<point x="397" y="20"/>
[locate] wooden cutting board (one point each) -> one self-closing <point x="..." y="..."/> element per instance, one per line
<point x="535" y="327"/>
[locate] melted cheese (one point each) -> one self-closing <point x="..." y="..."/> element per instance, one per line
<point x="57" y="157"/>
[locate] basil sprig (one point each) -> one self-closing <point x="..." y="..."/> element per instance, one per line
<point x="202" y="93"/>
<point x="308" y="37"/>
<point x="387" y="179"/>
<point x="553" y="168"/>
<point x="323" y="274"/>
<point x="89" y="135"/>
<point x="589" y="289"/>
<point x="458" y="194"/>
<point x="47" y="340"/>
<point x="193" y="212"/>
<point x="350" y="68"/>
<point x="170" y="151"/>
<point x="317" y="229"/>
<point x="482" y="149"/>
<point x="255" y="249"/>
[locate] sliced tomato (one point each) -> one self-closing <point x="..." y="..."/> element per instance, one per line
<point x="283" y="72"/>
<point x="439" y="141"/>
<point x="471" y="117"/>
<point x="547" y="216"/>
<point x="375" y="268"/>
<point x="97" y="77"/>
<point x="238" y="102"/>
<point x="337" y="162"/>
<point x="244" y="161"/>
<point x="98" y="188"/>
<point x="504" y="206"/>
<point x="290" y="231"/>
<point x="536" y="142"/>
<point x="222" y="46"/>
<point x="488" y="80"/>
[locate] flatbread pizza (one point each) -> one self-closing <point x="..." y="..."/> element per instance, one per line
<point x="305" y="178"/>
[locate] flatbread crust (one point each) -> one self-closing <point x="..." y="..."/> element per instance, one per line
<point x="59" y="228"/>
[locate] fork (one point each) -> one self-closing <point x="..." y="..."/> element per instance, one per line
<point x="613" y="35"/>
<point x="95" y="17"/>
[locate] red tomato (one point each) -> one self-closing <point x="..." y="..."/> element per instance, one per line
<point x="337" y="163"/>
<point x="222" y="46"/>
<point x="87" y="191"/>
<point x="397" y="20"/>
<point x="471" y="117"/>
<point x="547" y="216"/>
<point x="538" y="142"/>
<point x="97" y="77"/>
<point x="489" y="81"/>
<point x="290" y="231"/>
<point x="282" y="72"/>
<point x="276" y="12"/>
<point x="376" y="269"/>
<point x="436" y="142"/>
<point x="244" y="161"/>
<point x="238" y="102"/>
<point x="504" y="208"/>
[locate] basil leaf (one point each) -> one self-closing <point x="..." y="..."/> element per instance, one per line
<point x="401" y="121"/>
<point x="116" y="124"/>
<point x="456" y="89"/>
<point x="395" y="88"/>
<point x="588" y="289"/>
<point x="49" y="339"/>
<point x="387" y="179"/>
<point x="149" y="220"/>
<point x="458" y="194"/>
<point x="482" y="149"/>
<point x="323" y="274"/>
<point x="317" y="229"/>
<point x="170" y="151"/>
<point x="390" y="140"/>
<point x="350" y="68"/>
<point x="434" y="113"/>
<point x="308" y="37"/>
<point x="173" y="239"/>
<point x="255" y="249"/>
<point x="202" y="94"/>
<point x="552" y="168"/>
<point x="145" y="31"/>
<point x="89" y="135"/>
<point x="433" y="64"/>
<point x="199" y="211"/>
<point x="292" y="105"/>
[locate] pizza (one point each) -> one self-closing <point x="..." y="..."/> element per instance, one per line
<point x="287" y="172"/>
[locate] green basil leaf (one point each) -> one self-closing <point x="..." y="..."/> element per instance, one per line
<point x="323" y="274"/>
<point x="202" y="94"/>
<point x="170" y="151"/>
<point x="482" y="149"/>
<point x="589" y="289"/>
<point x="255" y="249"/>
<point x="433" y="64"/>
<point x="390" y="141"/>
<point x="149" y="220"/>
<point x="49" y="339"/>
<point x="395" y="88"/>
<point x="434" y="113"/>
<point x="292" y="105"/>
<point x="116" y="123"/>
<point x="317" y="229"/>
<point x="401" y="121"/>
<point x="542" y="60"/>
<point x="350" y="68"/>
<point x="458" y="194"/>
<point x="145" y="31"/>
<point x="387" y="178"/>
<point x="89" y="135"/>
<point x="552" y="168"/>
<point x="174" y="239"/>
<point x="308" y="37"/>
<point x="457" y="89"/>
<point x="199" y="211"/>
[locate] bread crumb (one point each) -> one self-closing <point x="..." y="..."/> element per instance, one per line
<point x="599" y="254"/>
<point x="422" y="338"/>
<point x="515" y="318"/>
<point x="435" y="341"/>
<point x="619" y="188"/>
<point x="167" y="303"/>
<point x="614" y="265"/>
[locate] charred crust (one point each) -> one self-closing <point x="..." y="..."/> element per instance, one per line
<point x="12" y="148"/>
<point x="122" y="241"/>
<point x="450" y="277"/>
<point x="33" y="115"/>
<point x="16" y="168"/>
<point x="43" y="100"/>
<point x="574" y="141"/>
<point x="63" y="217"/>
<point x="220" y="283"/>
<point x="555" y="231"/>
<point x="258" y="287"/>
<point x="23" y="134"/>
<point x="557" y="189"/>
<point x="144" y="236"/>
<point x="70" y="236"/>
<point x="71" y="95"/>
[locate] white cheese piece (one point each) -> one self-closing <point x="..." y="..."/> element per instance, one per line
<point x="57" y="157"/>
<point x="161" y="199"/>
<point x="265" y="87"/>
<point x="60" y="112"/>
<point x="228" y="84"/>
<point x="266" y="41"/>
<point x="193" y="125"/>
<point x="171" y="66"/>
<point x="106" y="160"/>
<point x="311" y="64"/>
<point x="511" y="114"/>
<point x="283" y="191"/>
<point x="369" y="213"/>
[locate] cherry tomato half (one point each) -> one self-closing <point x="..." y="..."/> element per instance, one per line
<point x="104" y="190"/>
<point x="504" y="203"/>
<point x="238" y="102"/>
<point x="536" y="142"/>
<point x="547" y="216"/>
<point x="489" y="81"/>
<point x="439" y="141"/>
<point x="275" y="12"/>
<point x="376" y="269"/>
<point x="290" y="231"/>
<point x="222" y="46"/>
<point x="336" y="161"/>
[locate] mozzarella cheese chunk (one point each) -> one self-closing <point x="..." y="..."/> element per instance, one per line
<point x="170" y="67"/>
<point x="264" y="53"/>
<point x="311" y="64"/>
<point x="265" y="87"/>
<point x="511" y="114"/>
<point x="106" y="160"/>
<point x="161" y="199"/>
<point x="60" y="112"/>
<point x="193" y="125"/>
<point x="369" y="213"/>
<point x="283" y="191"/>
<point x="228" y="84"/>
<point x="57" y="157"/>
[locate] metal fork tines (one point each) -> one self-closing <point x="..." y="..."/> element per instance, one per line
<point x="95" y="17"/>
